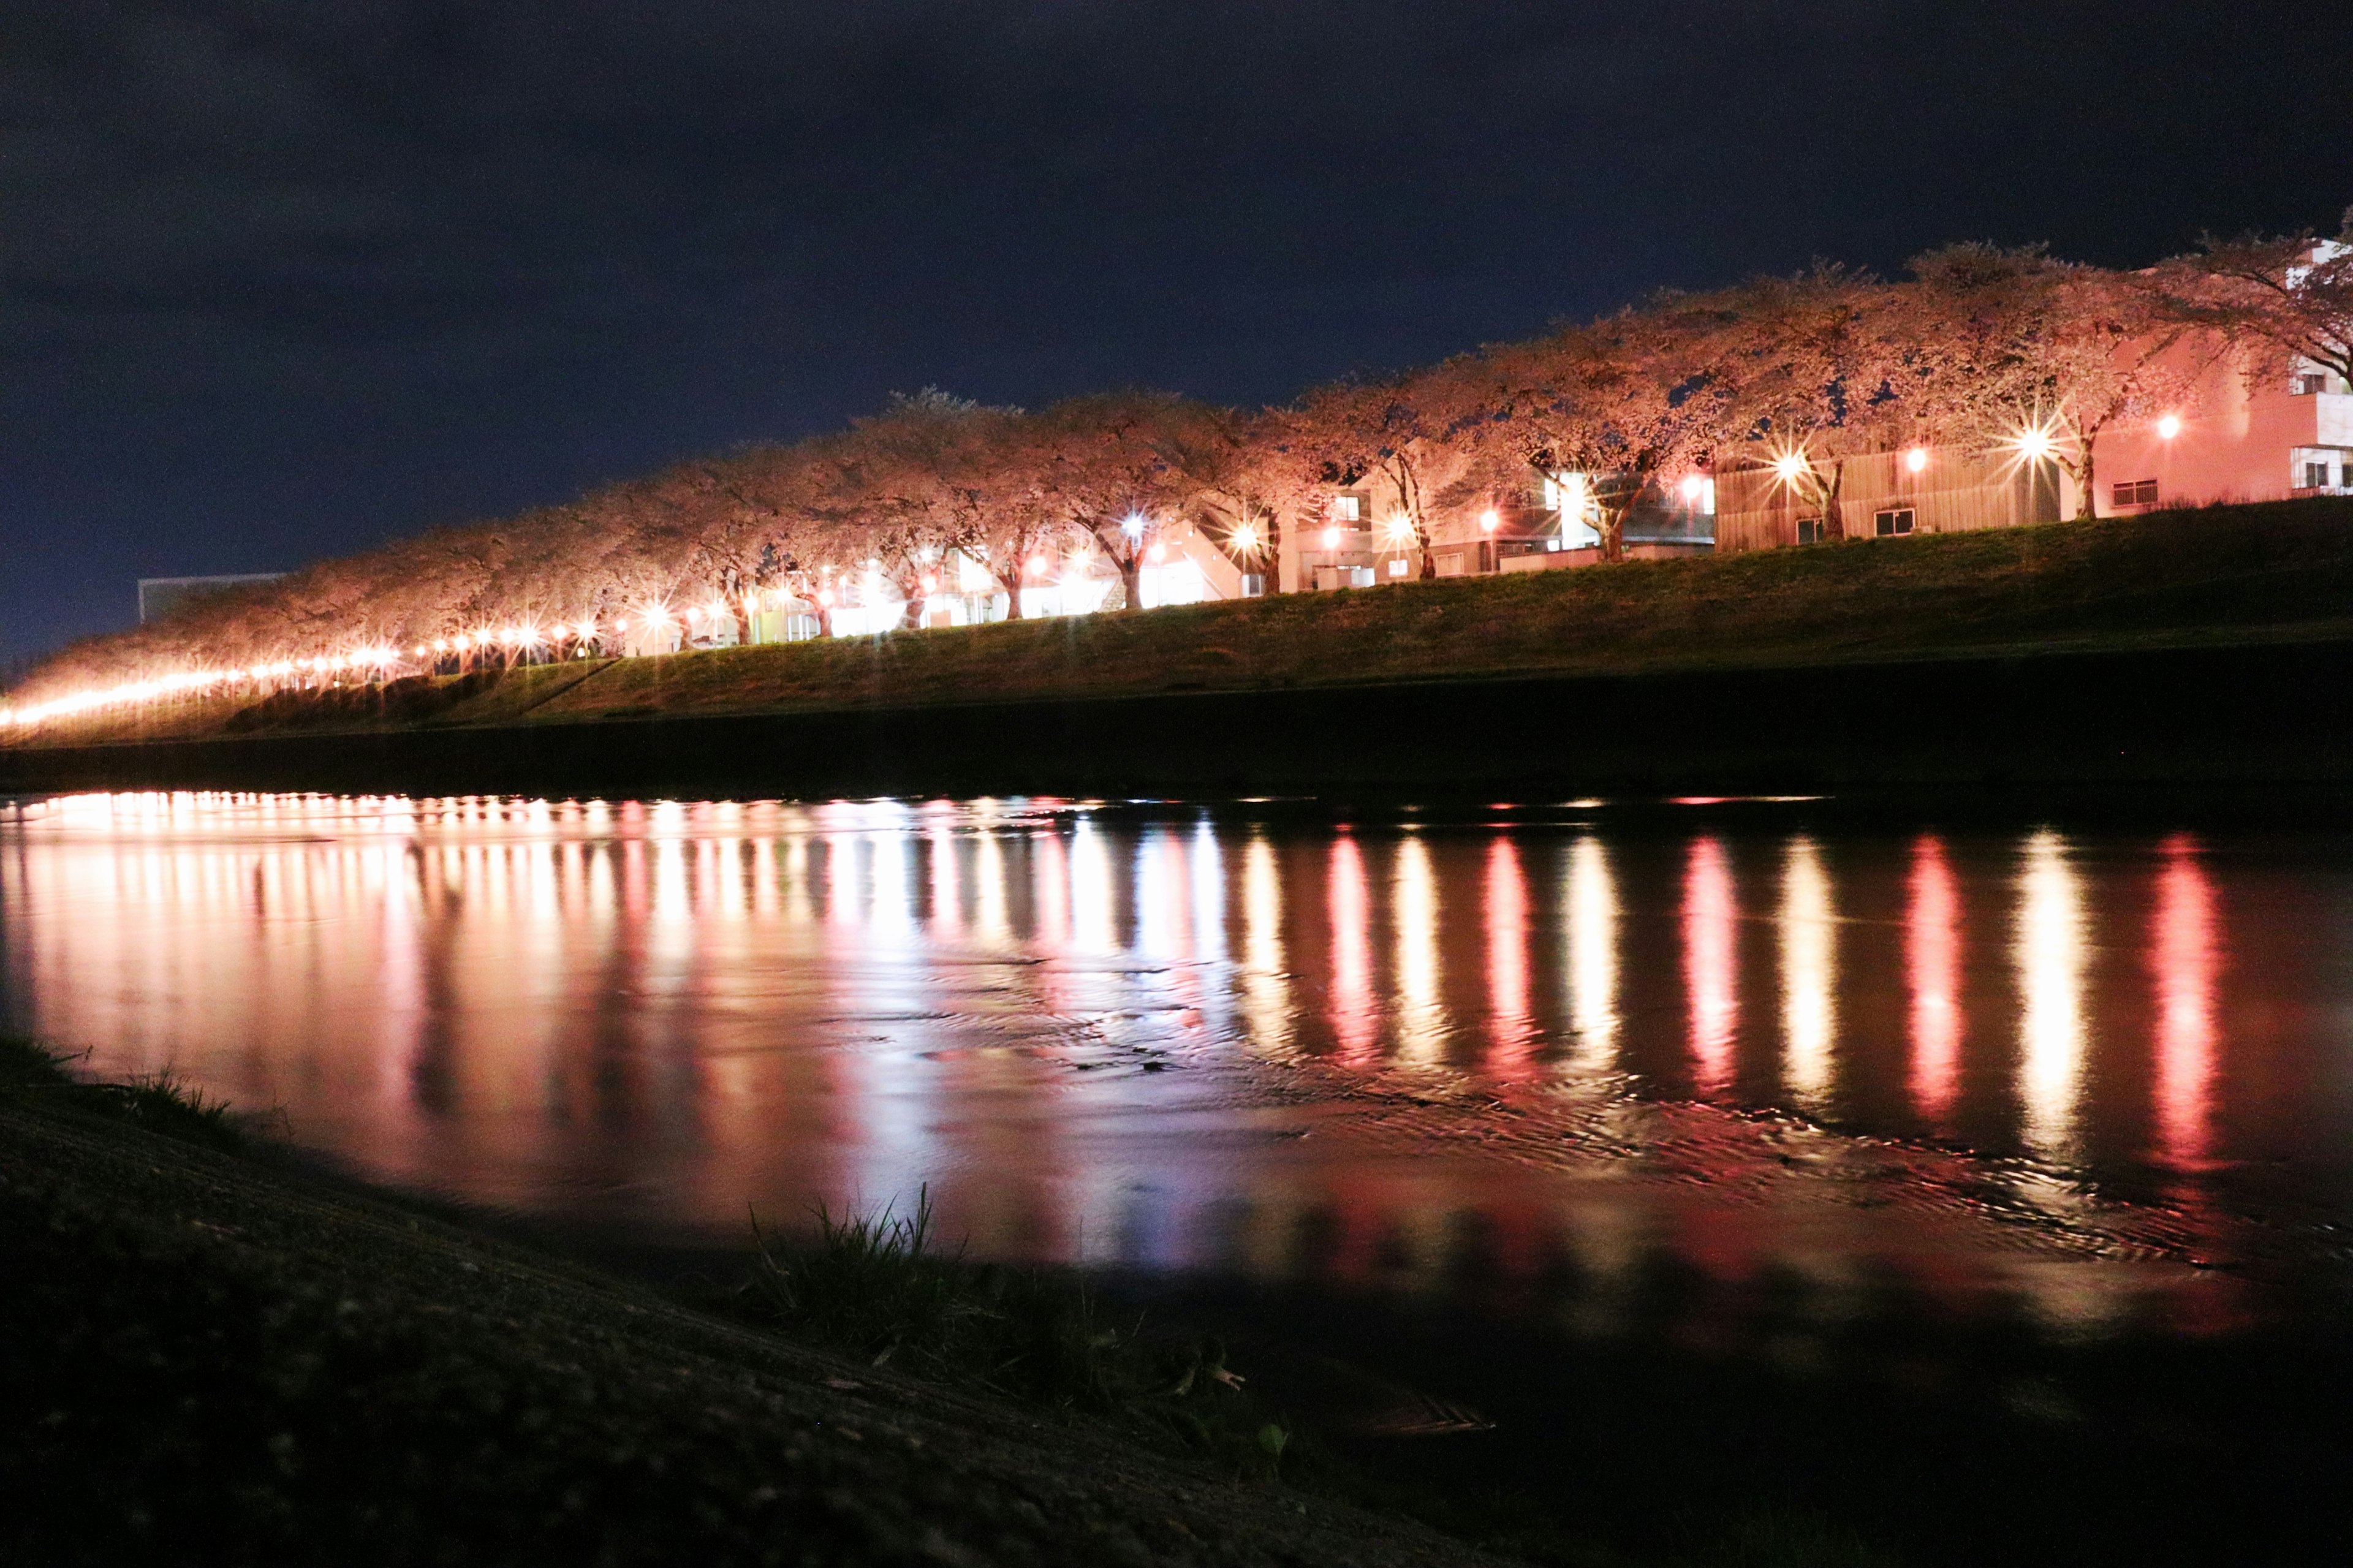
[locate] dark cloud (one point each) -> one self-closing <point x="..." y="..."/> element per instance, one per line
<point x="283" y="278"/>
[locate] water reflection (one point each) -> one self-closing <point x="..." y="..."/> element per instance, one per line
<point x="2182" y="958"/>
<point x="1349" y="902"/>
<point x="1414" y="1054"/>
<point x="2050" y="948"/>
<point x="1711" y="932"/>
<point x="1592" y="941"/>
<point x="1808" y="974"/>
<point x="1932" y="962"/>
<point x="1511" y="1029"/>
<point x="1421" y="1018"/>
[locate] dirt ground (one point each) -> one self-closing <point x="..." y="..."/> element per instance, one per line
<point x="211" y="1359"/>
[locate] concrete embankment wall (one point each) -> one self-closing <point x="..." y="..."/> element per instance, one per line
<point x="2239" y="715"/>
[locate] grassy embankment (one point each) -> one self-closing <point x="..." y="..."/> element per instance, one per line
<point x="2279" y="572"/>
<point x="209" y="1355"/>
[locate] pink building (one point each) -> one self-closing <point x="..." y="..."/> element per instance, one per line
<point x="2231" y="438"/>
<point x="2283" y="436"/>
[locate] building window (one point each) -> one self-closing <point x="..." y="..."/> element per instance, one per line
<point x="2134" y="493"/>
<point x="1888" y="524"/>
<point x="2316" y="475"/>
<point x="1809" y="530"/>
<point x="1397" y="567"/>
<point x="2306" y="385"/>
<point x="1347" y="508"/>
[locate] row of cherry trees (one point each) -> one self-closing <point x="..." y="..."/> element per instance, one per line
<point x="1977" y="347"/>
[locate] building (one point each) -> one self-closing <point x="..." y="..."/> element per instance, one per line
<point x="160" y="596"/>
<point x="1545" y="524"/>
<point x="2231" y="438"/>
<point x="1921" y="489"/>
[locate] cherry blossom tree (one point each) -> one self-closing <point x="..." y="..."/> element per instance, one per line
<point x="1609" y="408"/>
<point x="2039" y="357"/>
<point x="1113" y="467"/>
<point x="1824" y="367"/>
<point x="2291" y="296"/>
<point x="1403" y="434"/>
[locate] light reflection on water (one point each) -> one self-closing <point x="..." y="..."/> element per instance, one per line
<point x="2022" y="1067"/>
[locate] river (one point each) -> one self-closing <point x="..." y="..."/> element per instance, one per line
<point x="1881" y="1162"/>
<point x="1541" y="1048"/>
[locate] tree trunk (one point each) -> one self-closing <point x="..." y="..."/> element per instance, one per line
<point x="1012" y="586"/>
<point x="1834" y="520"/>
<point x="1613" y="534"/>
<point x="2087" y="505"/>
<point x="1429" y="572"/>
<point x="1273" y="573"/>
<point x="1131" y="581"/>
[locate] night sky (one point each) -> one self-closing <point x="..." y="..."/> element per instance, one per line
<point x="287" y="279"/>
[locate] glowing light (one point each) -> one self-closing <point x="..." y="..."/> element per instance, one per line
<point x="1399" y="531"/>
<point x="1159" y="552"/>
<point x="1489" y="521"/>
<point x="2050" y="946"/>
<point x="463" y="641"/>
<point x="932" y="582"/>
<point x="1808" y="974"/>
<point x="1243" y="541"/>
<point x="1511" y="1030"/>
<point x="2184" y="956"/>
<point x="1710" y="916"/>
<point x="1592" y="906"/>
<point x="825" y="595"/>
<point x="2034" y="443"/>
<point x="1790" y="466"/>
<point x="2169" y="428"/>
<point x="1692" y="487"/>
<point x="1332" y="539"/>
<point x="1421" y="1019"/>
<point x="1916" y="458"/>
<point x="1932" y="951"/>
<point x="1348" y="897"/>
<point x="1132" y="525"/>
<point x="1039" y="565"/>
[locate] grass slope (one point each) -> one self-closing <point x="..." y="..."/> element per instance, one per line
<point x="2271" y="571"/>
<point x="210" y="1358"/>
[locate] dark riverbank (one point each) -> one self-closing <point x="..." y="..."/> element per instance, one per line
<point x="2181" y="647"/>
<point x="2245" y="711"/>
<point x="213" y="1359"/>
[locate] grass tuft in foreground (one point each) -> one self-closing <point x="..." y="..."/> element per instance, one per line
<point x="880" y="1287"/>
<point x="156" y="1103"/>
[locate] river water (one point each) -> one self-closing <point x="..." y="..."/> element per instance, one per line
<point x="1713" y="1149"/>
<point x="1534" y="1052"/>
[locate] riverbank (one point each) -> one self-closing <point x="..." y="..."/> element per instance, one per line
<point x="214" y="1357"/>
<point x="2188" y="647"/>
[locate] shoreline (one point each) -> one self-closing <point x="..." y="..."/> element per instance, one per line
<point x="219" y="1355"/>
